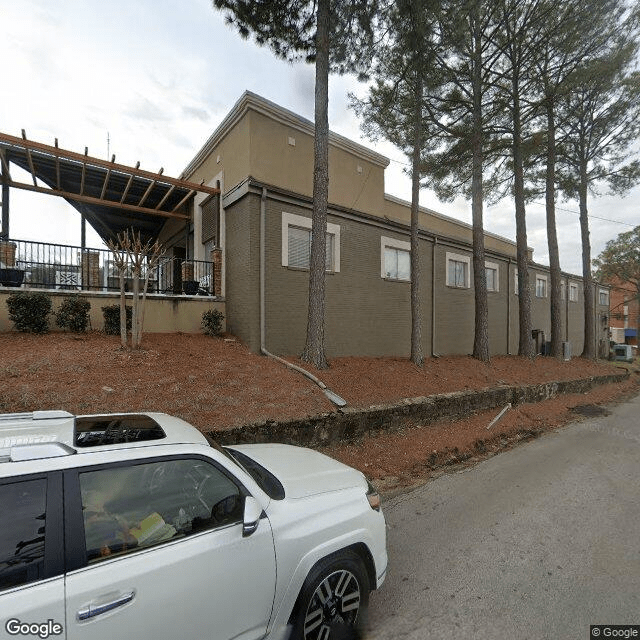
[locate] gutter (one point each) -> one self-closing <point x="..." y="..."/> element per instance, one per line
<point x="334" y="397"/>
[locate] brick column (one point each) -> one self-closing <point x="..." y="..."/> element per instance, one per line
<point x="216" y="258"/>
<point x="90" y="265"/>
<point x="8" y="254"/>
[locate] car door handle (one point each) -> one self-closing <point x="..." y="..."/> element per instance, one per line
<point x="96" y="609"/>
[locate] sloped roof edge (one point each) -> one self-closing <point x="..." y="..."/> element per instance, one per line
<point x="252" y="101"/>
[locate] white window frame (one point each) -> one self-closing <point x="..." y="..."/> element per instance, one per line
<point x="293" y="220"/>
<point x="573" y="287"/>
<point x="457" y="257"/>
<point x="542" y="278"/>
<point x="516" y="284"/>
<point x="392" y="243"/>
<point x="495" y="267"/>
<point x="603" y="292"/>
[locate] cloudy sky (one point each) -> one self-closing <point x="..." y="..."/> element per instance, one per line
<point x="150" y="80"/>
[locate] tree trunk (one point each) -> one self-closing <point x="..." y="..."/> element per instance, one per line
<point x="417" y="354"/>
<point x="525" y="345"/>
<point x="481" y="332"/>
<point x="588" y="350"/>
<point x="123" y="310"/>
<point x="552" y="234"/>
<point x="314" y="348"/>
<point x="135" y="337"/>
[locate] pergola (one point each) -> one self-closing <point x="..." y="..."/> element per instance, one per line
<point x="111" y="197"/>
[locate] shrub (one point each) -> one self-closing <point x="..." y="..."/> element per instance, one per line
<point x="212" y="322"/>
<point x="111" y="315"/>
<point x="29" y="312"/>
<point x="73" y="314"/>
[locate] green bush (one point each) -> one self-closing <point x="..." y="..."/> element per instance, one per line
<point x="73" y="314"/>
<point x="212" y="322"/>
<point x="30" y="312"/>
<point x="111" y="315"/>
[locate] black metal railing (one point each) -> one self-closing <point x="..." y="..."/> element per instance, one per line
<point x="42" y="265"/>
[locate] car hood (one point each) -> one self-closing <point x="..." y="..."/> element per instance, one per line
<point x="303" y="472"/>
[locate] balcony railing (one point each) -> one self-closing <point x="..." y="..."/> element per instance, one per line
<point x="41" y="265"/>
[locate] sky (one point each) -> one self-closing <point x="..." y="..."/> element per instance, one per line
<point x="150" y="81"/>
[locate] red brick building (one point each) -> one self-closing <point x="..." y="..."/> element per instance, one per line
<point x="623" y="312"/>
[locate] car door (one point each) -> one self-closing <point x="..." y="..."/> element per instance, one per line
<point x="158" y="552"/>
<point x="31" y="555"/>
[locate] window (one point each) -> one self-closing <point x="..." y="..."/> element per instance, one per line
<point x="541" y="286"/>
<point x="563" y="290"/>
<point x="516" y="284"/>
<point x="211" y="220"/>
<point x="573" y="292"/>
<point x="23" y="506"/>
<point x="458" y="267"/>
<point x="492" y="272"/>
<point x="296" y="243"/>
<point x="396" y="259"/>
<point x="603" y="297"/>
<point x="131" y="507"/>
<point x="625" y="311"/>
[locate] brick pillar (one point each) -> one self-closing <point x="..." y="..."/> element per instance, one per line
<point x="216" y="258"/>
<point x="8" y="254"/>
<point x="90" y="264"/>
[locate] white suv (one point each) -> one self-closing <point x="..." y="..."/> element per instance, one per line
<point x="136" y="526"/>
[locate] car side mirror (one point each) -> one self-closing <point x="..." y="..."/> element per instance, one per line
<point x="251" y="517"/>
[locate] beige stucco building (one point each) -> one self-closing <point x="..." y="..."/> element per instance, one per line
<point x="261" y="157"/>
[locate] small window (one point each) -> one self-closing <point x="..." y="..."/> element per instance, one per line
<point x="23" y="506"/>
<point x="573" y="292"/>
<point x="541" y="287"/>
<point x="300" y="249"/>
<point x="492" y="271"/>
<point x="397" y="264"/>
<point x="131" y="507"/>
<point x="603" y="297"/>
<point x="516" y="284"/>
<point x="296" y="243"/>
<point x="458" y="268"/>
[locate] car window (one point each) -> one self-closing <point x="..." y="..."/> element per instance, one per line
<point x="23" y="506"/>
<point x="135" y="506"/>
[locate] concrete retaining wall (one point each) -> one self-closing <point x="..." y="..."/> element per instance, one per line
<point x="350" y="423"/>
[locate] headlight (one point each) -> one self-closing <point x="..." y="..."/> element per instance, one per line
<point x="373" y="497"/>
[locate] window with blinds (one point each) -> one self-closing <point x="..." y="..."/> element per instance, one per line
<point x="211" y="220"/>
<point x="300" y="248"/>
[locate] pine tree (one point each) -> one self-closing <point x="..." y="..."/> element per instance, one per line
<point x="335" y="35"/>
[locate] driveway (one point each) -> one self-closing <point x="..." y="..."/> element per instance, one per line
<point x="538" y="542"/>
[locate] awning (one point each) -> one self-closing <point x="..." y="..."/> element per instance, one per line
<point x="112" y="197"/>
<point x="630" y="333"/>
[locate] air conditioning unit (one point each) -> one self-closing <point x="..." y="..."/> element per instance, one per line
<point x="566" y="351"/>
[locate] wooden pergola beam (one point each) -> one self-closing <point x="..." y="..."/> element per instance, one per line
<point x="98" y="201"/>
<point x="149" y="188"/>
<point x="84" y="171"/>
<point x="189" y="195"/>
<point x="5" y="164"/>
<point x="30" y="159"/>
<point x="57" y="167"/>
<point x="106" y="179"/>
<point x="29" y="145"/>
<point x="166" y="195"/>
<point x="129" y="182"/>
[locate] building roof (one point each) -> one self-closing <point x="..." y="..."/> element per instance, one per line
<point x="251" y="101"/>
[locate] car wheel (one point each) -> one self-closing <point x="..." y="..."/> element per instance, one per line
<point x="333" y="599"/>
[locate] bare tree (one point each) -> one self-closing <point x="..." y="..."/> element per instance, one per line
<point x="142" y="258"/>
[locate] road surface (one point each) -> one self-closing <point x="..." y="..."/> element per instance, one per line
<point x="537" y="542"/>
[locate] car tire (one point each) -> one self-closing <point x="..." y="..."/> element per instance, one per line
<point x="333" y="599"/>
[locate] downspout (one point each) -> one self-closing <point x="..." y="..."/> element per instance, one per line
<point x="509" y="308"/>
<point x="433" y="297"/>
<point x="334" y="397"/>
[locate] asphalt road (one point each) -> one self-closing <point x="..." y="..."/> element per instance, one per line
<point x="538" y="542"/>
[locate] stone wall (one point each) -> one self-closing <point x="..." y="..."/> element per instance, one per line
<point x="350" y="423"/>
